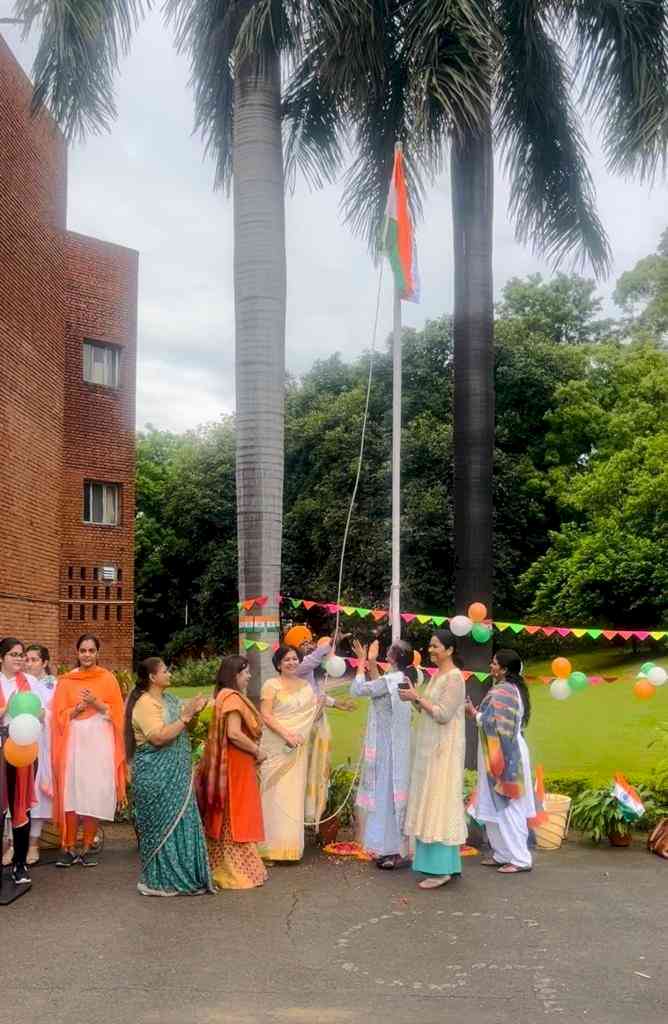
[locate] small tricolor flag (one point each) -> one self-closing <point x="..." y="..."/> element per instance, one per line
<point x="399" y="236"/>
<point x="630" y="803"/>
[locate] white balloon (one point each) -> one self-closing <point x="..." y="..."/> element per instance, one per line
<point x="560" y="690"/>
<point x="657" y="676"/>
<point x="335" y="666"/>
<point x="25" y="730"/>
<point x="420" y="677"/>
<point x="461" y="625"/>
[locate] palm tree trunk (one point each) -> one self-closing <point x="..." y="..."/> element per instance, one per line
<point x="472" y="203"/>
<point x="259" y="304"/>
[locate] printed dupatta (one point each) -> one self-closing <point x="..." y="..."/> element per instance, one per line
<point x="211" y="774"/>
<point x="500" y="722"/>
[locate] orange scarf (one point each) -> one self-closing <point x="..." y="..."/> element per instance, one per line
<point x="68" y="694"/>
<point x="24" y="788"/>
<point x="211" y="775"/>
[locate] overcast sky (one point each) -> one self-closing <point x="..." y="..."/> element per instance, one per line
<point x="146" y="186"/>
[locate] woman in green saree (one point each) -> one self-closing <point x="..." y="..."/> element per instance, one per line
<point x="172" y="847"/>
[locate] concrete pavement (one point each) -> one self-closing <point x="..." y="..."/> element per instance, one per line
<point x="581" y="938"/>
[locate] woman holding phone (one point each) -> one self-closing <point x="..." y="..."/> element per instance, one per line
<point x="385" y="771"/>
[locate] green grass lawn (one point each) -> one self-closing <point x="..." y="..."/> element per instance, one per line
<point x="597" y="732"/>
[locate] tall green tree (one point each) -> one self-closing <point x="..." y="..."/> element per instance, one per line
<point x="429" y="73"/>
<point x="643" y="292"/>
<point x="238" y="111"/>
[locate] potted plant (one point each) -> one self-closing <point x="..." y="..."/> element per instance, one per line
<point x="339" y="810"/>
<point x="598" y="813"/>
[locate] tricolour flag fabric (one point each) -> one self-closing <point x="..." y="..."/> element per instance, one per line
<point x="630" y="803"/>
<point x="399" y="237"/>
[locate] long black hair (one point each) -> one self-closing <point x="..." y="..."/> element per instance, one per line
<point x="512" y="663"/>
<point x="145" y="670"/>
<point x="449" y="639"/>
<point x="229" y="669"/>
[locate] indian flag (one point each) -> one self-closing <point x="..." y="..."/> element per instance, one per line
<point x="399" y="237"/>
<point x="630" y="803"/>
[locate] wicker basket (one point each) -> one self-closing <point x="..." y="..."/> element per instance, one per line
<point x="551" y="835"/>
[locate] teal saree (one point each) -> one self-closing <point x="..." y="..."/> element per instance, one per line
<point x="172" y="847"/>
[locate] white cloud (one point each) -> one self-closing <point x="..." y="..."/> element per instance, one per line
<point x="146" y="185"/>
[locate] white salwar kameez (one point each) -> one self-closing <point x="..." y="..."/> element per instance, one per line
<point x="90" y="776"/>
<point x="507" y="828"/>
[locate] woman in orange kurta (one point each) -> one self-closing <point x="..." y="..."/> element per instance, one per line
<point x="88" y="751"/>
<point x="227" y="785"/>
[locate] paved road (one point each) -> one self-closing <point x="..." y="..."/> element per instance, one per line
<point x="342" y="943"/>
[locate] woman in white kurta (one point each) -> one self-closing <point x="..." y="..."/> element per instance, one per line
<point x="289" y="710"/>
<point x="435" y="816"/>
<point x="505" y="793"/>
<point x="37" y="663"/>
<point x="385" y="769"/>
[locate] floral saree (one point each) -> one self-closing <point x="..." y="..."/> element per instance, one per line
<point x="171" y="838"/>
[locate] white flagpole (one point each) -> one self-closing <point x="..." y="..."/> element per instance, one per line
<point x="395" y="593"/>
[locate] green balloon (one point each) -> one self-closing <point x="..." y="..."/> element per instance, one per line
<point x="23" y="703"/>
<point x="647" y="667"/>
<point x="578" y="681"/>
<point x="481" y="634"/>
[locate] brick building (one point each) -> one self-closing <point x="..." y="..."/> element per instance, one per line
<point x="68" y="327"/>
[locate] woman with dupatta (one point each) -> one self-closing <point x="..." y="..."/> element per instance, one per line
<point x="171" y="839"/>
<point x="505" y="794"/>
<point x="227" y="785"/>
<point x="88" y="752"/>
<point x="385" y="771"/>
<point x="293" y="781"/>
<point x="435" y="817"/>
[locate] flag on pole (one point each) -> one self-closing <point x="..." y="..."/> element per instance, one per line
<point x="630" y="803"/>
<point x="399" y="236"/>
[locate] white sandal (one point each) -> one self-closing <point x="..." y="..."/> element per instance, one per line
<point x="434" y="881"/>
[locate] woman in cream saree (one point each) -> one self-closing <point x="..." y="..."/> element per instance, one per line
<point x="294" y="774"/>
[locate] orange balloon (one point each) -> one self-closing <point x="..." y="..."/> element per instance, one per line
<point x="477" y="612"/>
<point x="562" y="668"/>
<point x="644" y="690"/>
<point x="417" y="659"/>
<point x="324" y="640"/>
<point x="20" y="757"/>
<point x="297" y="635"/>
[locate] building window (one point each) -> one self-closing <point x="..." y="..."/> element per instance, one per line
<point x="106" y="613"/>
<point x="119" y="612"/>
<point x="69" y="611"/>
<point x="94" y="612"/>
<point x="101" y="503"/>
<point x="101" y="364"/>
<point x="82" y="612"/>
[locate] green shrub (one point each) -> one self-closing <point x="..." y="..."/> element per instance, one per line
<point x="568" y="785"/>
<point x="341" y="795"/>
<point x="597" y="812"/>
<point x="198" y="672"/>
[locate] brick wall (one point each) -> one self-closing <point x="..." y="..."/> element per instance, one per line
<point x="99" y="445"/>
<point x="32" y="358"/>
<point x="57" y="289"/>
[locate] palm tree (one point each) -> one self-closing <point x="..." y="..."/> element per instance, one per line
<point x="470" y="74"/>
<point x="238" y="112"/>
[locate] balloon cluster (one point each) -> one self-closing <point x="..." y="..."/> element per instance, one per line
<point x="474" y="623"/>
<point x="647" y="680"/>
<point x="20" y="748"/>
<point x="566" y="681"/>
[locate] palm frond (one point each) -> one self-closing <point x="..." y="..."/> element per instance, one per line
<point x="207" y="30"/>
<point x="451" y="47"/>
<point x="271" y="25"/>
<point x="622" y="51"/>
<point x="552" y="199"/>
<point x="80" y="46"/>
<point x="313" y="125"/>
